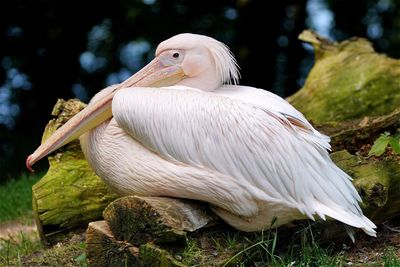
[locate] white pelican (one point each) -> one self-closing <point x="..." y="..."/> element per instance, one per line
<point x="178" y="128"/>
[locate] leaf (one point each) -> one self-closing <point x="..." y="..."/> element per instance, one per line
<point x="380" y="145"/>
<point x="395" y="144"/>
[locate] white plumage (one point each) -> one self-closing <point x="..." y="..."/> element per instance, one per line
<point x="246" y="151"/>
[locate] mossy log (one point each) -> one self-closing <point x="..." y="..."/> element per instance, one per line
<point x="69" y="194"/>
<point x="349" y="80"/>
<point x="352" y="93"/>
<point x="377" y="181"/>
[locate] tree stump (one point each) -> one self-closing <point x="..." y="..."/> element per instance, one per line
<point x="144" y="231"/>
<point x="158" y="219"/>
<point x="103" y="249"/>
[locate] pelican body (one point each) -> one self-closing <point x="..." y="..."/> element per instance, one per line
<point x="182" y="128"/>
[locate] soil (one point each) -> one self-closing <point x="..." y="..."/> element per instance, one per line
<point x="12" y="229"/>
<point x="367" y="251"/>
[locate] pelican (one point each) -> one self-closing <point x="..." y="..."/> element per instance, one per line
<point x="182" y="128"/>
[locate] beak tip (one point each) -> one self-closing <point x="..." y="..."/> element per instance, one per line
<point x="29" y="164"/>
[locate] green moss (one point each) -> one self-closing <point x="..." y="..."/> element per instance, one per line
<point x="151" y="255"/>
<point x="70" y="193"/>
<point x="376" y="181"/>
<point x="348" y="81"/>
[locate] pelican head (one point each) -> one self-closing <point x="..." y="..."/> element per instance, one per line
<point x="185" y="59"/>
<point x="203" y="60"/>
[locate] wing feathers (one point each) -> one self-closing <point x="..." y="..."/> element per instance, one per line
<point x="254" y="137"/>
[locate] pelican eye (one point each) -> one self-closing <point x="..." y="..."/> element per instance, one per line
<point x="175" y="55"/>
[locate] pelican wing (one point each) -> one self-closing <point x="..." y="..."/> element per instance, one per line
<point x="249" y="138"/>
<point x="281" y="108"/>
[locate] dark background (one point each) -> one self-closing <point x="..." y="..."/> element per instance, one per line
<point x="63" y="49"/>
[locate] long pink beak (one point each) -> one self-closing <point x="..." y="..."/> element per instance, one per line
<point x="154" y="74"/>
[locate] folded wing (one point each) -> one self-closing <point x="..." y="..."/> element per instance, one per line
<point x="253" y="136"/>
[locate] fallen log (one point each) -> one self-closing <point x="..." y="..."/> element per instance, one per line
<point x="71" y="195"/>
<point x="354" y="104"/>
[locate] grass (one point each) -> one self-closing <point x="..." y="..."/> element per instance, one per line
<point x="390" y="258"/>
<point x="192" y="254"/>
<point x="25" y="249"/>
<point x="263" y="249"/>
<point x="16" y="197"/>
<point x="304" y="250"/>
<point x="28" y="251"/>
<point x="312" y="255"/>
<point x="13" y="249"/>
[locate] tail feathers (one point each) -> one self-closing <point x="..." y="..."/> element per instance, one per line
<point x="349" y="218"/>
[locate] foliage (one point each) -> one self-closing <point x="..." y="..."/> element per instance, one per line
<point x="383" y="141"/>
